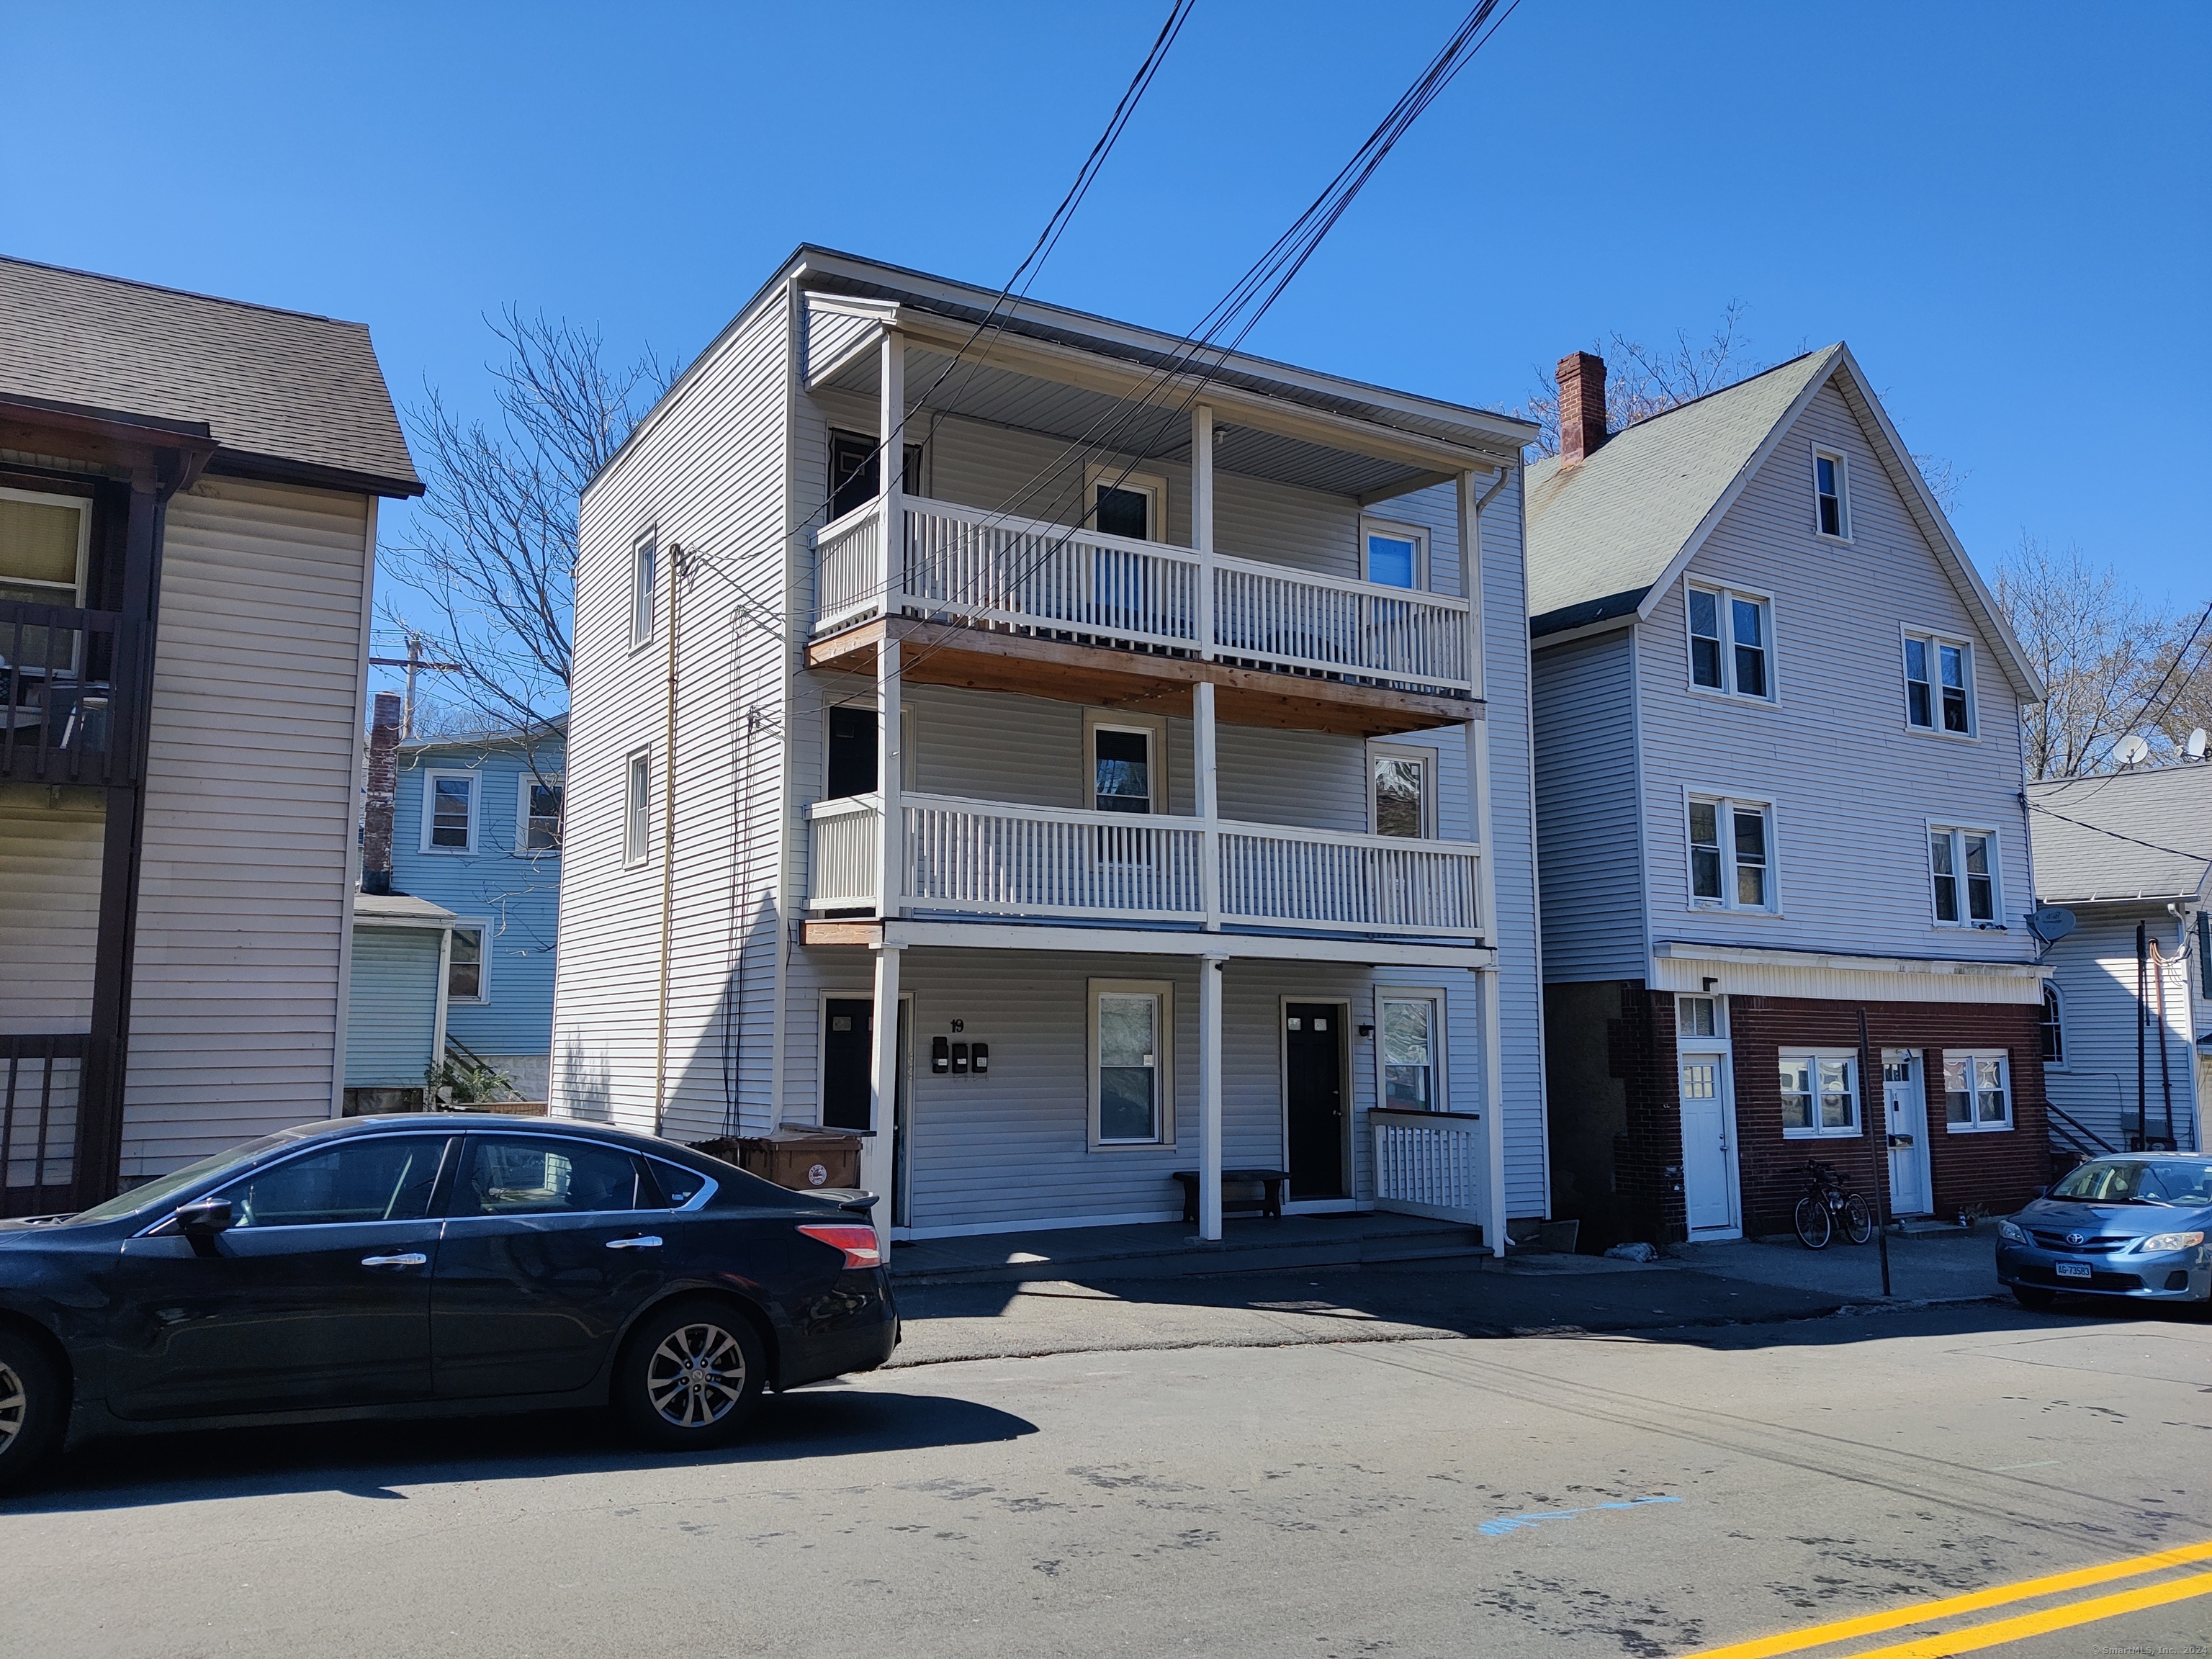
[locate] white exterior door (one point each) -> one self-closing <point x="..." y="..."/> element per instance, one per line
<point x="1905" y="1112"/>
<point x="1709" y="1193"/>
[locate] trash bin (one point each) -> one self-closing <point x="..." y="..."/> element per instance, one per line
<point x="803" y="1158"/>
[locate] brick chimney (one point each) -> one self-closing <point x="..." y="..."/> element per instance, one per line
<point x="383" y="790"/>
<point x="1582" y="406"/>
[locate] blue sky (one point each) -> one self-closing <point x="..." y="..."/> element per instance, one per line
<point x="2006" y="210"/>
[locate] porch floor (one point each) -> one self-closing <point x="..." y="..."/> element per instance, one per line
<point x="1169" y="1250"/>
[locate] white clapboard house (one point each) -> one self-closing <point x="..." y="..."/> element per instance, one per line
<point x="1133" y="779"/>
<point x="188" y="496"/>
<point x="1777" y="786"/>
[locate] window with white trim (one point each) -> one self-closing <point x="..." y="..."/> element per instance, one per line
<point x="464" y="965"/>
<point x="1132" y="1079"/>
<point x="637" y="809"/>
<point x="644" y="576"/>
<point x="1131" y="504"/>
<point x="1962" y="872"/>
<point x="1977" y="1091"/>
<point x="2050" y="1024"/>
<point x="1832" y="495"/>
<point x="537" y="812"/>
<point x="45" y="544"/>
<point x="1731" y="642"/>
<point x="1698" y="1017"/>
<point x="1939" y="679"/>
<point x="1411" y="1046"/>
<point x="1393" y="554"/>
<point x="449" y="811"/>
<point x="1731" y="853"/>
<point x="1402" y="798"/>
<point x="1819" y="1095"/>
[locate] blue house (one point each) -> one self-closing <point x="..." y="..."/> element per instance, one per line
<point x="469" y="828"/>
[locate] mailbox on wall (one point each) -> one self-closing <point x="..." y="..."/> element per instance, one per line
<point x="940" y="1055"/>
<point x="979" y="1057"/>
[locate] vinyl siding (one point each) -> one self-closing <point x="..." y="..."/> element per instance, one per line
<point x="1586" y="816"/>
<point x="2095" y="968"/>
<point x="393" y="1006"/>
<point x="1853" y="788"/>
<point x="249" y="818"/>
<point x="51" y="841"/>
<point x="830" y="334"/>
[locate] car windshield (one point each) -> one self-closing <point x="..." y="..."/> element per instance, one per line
<point x="151" y="1193"/>
<point x="2139" y="1181"/>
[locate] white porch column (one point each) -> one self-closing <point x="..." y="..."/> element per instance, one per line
<point x="891" y="831"/>
<point x="890" y="470"/>
<point x="1210" y="969"/>
<point x="1471" y="504"/>
<point x="876" y="1151"/>
<point x="1201" y="521"/>
<point x="1494" y="1112"/>
<point x="1209" y="802"/>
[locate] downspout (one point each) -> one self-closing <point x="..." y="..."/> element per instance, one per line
<point x="667" y="839"/>
<point x="2165" y="1072"/>
<point x="2142" y="1014"/>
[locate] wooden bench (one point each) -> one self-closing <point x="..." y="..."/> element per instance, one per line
<point x="1270" y="1182"/>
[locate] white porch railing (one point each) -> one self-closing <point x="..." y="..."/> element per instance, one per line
<point x="964" y="564"/>
<point x="1429" y="1163"/>
<point x="994" y="858"/>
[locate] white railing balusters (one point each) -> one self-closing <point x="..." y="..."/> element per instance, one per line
<point x="1429" y="1163"/>
<point x="841" y="847"/>
<point x="1318" y="878"/>
<point x="849" y="569"/>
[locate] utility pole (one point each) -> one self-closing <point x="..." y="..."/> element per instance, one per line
<point x="415" y="663"/>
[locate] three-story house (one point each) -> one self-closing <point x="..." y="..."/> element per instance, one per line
<point x="1778" y="786"/>
<point x="1134" y="778"/>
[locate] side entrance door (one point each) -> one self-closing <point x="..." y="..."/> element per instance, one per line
<point x="1709" y="1194"/>
<point x="1906" y="1113"/>
<point x="1313" y="1087"/>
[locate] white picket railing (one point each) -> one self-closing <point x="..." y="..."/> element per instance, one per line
<point x="1429" y="1163"/>
<point x="992" y="858"/>
<point x="967" y="565"/>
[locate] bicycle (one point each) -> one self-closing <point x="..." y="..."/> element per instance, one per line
<point x="1827" y="1201"/>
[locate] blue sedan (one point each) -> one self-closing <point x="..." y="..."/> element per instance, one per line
<point x="2133" y="1224"/>
<point x="400" y="1267"/>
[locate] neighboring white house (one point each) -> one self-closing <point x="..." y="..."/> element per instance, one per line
<point x="1205" y="768"/>
<point x="188" y="496"/>
<point x="1777" y="782"/>
<point x="2128" y="1021"/>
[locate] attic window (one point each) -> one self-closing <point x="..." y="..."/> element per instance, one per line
<point x="1831" y="496"/>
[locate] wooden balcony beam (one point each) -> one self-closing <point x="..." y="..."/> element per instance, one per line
<point x="985" y="659"/>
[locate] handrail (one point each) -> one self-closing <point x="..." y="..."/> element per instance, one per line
<point x="1339" y="584"/>
<point x="2078" y="1127"/>
<point x="840" y="806"/>
<point x="1186" y="821"/>
<point x="989" y="518"/>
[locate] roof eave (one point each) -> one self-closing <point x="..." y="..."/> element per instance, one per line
<point x="279" y="469"/>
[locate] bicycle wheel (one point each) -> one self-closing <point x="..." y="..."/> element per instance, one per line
<point x="1811" y="1220"/>
<point x="1858" y="1219"/>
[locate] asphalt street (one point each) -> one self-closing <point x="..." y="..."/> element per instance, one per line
<point x="1653" y="1493"/>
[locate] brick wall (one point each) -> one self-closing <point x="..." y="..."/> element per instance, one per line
<point x="1615" y="1117"/>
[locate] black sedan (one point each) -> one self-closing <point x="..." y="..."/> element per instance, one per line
<point x="435" y="1263"/>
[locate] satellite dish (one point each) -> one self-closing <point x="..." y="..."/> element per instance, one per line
<point x="2132" y="748"/>
<point x="2195" y="747"/>
<point x="2051" y="925"/>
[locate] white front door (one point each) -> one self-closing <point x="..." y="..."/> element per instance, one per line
<point x="1708" y="1155"/>
<point x="1905" y="1108"/>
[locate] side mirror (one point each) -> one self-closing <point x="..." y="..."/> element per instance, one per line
<point x="203" y="1218"/>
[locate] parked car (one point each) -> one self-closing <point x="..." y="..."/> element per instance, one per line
<point x="442" y="1262"/>
<point x="2133" y="1224"/>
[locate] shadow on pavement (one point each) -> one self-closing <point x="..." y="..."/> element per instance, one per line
<point x="376" y="1458"/>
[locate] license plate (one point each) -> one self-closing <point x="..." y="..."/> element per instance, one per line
<point x="2072" y="1269"/>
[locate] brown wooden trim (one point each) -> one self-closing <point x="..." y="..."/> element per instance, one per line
<point x="937" y="653"/>
<point x="841" y="932"/>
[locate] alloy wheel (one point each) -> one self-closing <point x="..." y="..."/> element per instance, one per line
<point x="14" y="1406"/>
<point x="696" y="1376"/>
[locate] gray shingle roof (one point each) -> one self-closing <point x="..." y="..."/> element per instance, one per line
<point x="276" y="387"/>
<point x="1608" y="528"/>
<point x="2139" y="834"/>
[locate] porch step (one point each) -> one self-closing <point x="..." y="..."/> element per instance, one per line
<point x="1174" y="1250"/>
<point x="1922" y="1226"/>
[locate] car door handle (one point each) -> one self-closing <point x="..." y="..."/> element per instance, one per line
<point x="412" y="1259"/>
<point x="647" y="1242"/>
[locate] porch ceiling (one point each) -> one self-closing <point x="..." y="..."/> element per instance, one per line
<point x="1029" y="403"/>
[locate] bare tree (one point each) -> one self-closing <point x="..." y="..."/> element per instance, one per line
<point x="1641" y="382"/>
<point x="494" y="553"/>
<point x="2183" y="672"/>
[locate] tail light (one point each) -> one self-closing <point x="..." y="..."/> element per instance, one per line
<point x="858" y="1243"/>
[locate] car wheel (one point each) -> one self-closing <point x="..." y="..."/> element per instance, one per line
<point x="2030" y="1296"/>
<point x="34" y="1405"/>
<point x="690" y="1374"/>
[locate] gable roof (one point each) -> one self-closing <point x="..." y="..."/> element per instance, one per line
<point x="1608" y="537"/>
<point x="285" y="394"/>
<point x="2128" y="836"/>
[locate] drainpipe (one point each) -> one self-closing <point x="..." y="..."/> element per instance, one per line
<point x="2142" y="1076"/>
<point x="2164" y="1073"/>
<point x="667" y="839"/>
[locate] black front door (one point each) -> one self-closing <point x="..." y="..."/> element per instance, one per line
<point x="1313" y="1069"/>
<point x="551" y="1245"/>
<point x="318" y="1297"/>
<point x="848" y="1048"/>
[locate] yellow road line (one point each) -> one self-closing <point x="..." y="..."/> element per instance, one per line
<point x="1921" y="1613"/>
<point x="1976" y="1637"/>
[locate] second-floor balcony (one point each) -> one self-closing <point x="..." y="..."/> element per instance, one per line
<point x="59" y="685"/>
<point x="975" y="858"/>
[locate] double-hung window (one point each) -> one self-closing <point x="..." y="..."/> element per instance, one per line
<point x="464" y="965"/>
<point x="1393" y="554"/>
<point x="44" y="542"/>
<point x="1832" y="499"/>
<point x="1731" y="853"/>
<point x="1731" y="642"/>
<point x="1977" y="1092"/>
<point x="1404" y="801"/>
<point x="1819" y="1095"/>
<point x="1132" y="1082"/>
<point x="2051" y="1025"/>
<point x="1938" y="685"/>
<point x="449" y="811"/>
<point x="644" y="577"/>
<point x="1410" y="1040"/>
<point x="637" y="809"/>
<point x="1962" y="866"/>
<point x="540" y="808"/>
